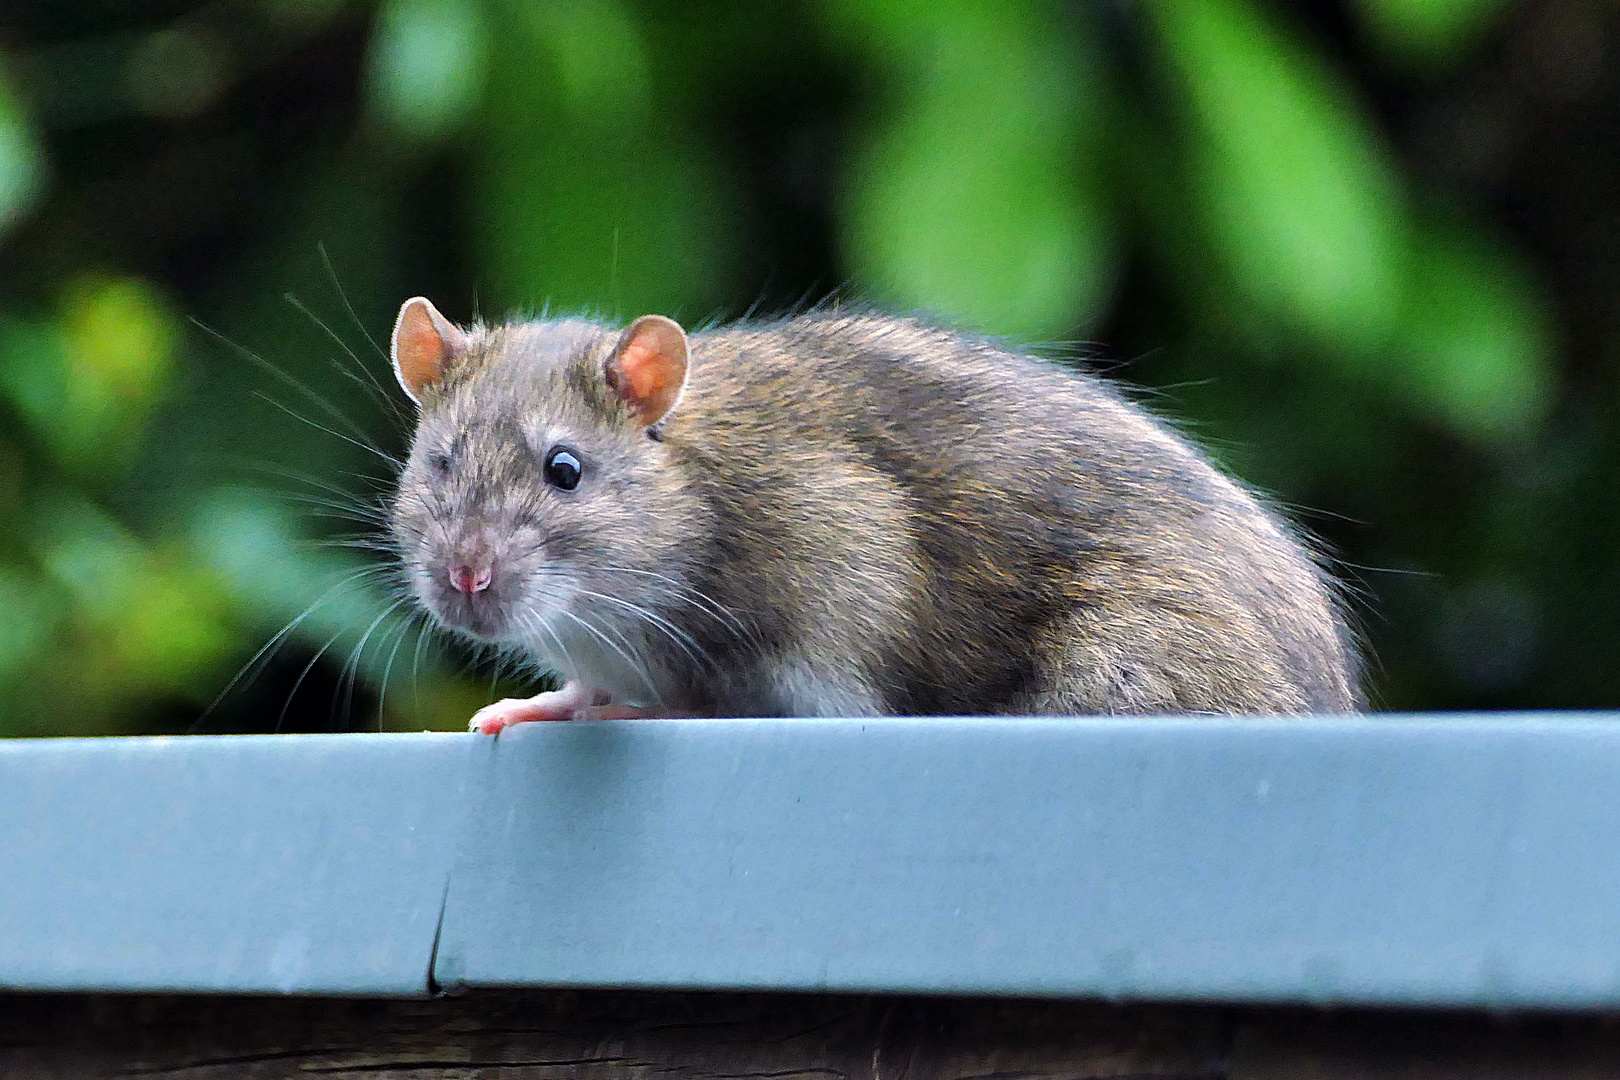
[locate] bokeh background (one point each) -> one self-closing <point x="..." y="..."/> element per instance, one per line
<point x="1368" y="252"/>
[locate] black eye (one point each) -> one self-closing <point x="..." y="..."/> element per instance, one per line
<point x="439" y="463"/>
<point x="562" y="468"/>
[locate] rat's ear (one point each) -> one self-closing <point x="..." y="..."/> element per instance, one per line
<point x="648" y="367"/>
<point x="424" y="341"/>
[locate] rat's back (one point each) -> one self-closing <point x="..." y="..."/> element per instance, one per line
<point x="914" y="521"/>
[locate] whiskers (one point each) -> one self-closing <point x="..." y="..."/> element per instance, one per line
<point x="679" y="592"/>
<point x="351" y="433"/>
<point x="330" y="616"/>
<point x="362" y="619"/>
<point x="642" y="637"/>
<point x="625" y="650"/>
<point x="646" y="617"/>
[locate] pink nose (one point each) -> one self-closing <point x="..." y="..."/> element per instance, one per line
<point x="470" y="579"/>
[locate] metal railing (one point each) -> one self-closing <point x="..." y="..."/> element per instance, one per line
<point x="1390" y="860"/>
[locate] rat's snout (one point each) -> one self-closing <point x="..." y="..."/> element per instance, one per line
<point x="469" y="583"/>
<point x="471" y="565"/>
<point x="470" y="578"/>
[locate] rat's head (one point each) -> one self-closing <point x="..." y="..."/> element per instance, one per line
<point x="539" y="496"/>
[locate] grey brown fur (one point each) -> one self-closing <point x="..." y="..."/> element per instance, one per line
<point x="859" y="514"/>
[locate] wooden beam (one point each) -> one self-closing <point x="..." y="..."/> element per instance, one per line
<point x="535" y="1035"/>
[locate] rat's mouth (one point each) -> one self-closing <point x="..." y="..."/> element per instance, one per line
<point x="480" y="615"/>
<point x="484" y="613"/>
<point x="502" y="612"/>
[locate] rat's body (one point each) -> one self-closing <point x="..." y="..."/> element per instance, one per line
<point x="844" y="515"/>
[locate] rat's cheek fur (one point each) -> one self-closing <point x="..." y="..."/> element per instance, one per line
<point x="409" y="530"/>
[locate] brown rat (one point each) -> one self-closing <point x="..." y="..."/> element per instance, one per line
<point x="839" y="514"/>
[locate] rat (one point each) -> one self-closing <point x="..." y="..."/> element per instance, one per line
<point x="839" y="513"/>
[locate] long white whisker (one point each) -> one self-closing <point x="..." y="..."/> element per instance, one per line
<point x="280" y="635"/>
<point x="388" y="668"/>
<point x="351" y="666"/>
<point x="636" y="668"/>
<point x="675" y="633"/>
<point x="363" y="445"/>
<point x="320" y="402"/>
<point x="531" y="622"/>
<point x="370" y="384"/>
<point x="326" y="260"/>
<point x="416" y="663"/>
<point x="690" y="595"/>
<point x="302" y="675"/>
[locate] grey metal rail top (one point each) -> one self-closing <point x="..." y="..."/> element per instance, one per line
<point x="1400" y="860"/>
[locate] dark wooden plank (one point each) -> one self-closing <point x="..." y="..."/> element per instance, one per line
<point x="601" y="1036"/>
<point x="643" y="1036"/>
<point x="1303" y="1045"/>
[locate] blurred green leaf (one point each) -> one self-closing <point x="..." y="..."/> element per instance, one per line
<point x="22" y="161"/>
<point x="588" y="203"/>
<point x="28" y="618"/>
<point x="1299" y="195"/>
<point x="972" y="197"/>
<point x="156" y="618"/>
<point x="596" y="50"/>
<point x="320" y="596"/>
<point x="33" y="371"/>
<point x="268" y="567"/>
<point x="180" y="626"/>
<point x="94" y="557"/>
<point x="120" y="336"/>
<point x="88" y="382"/>
<point x="1475" y="340"/>
<point x="427" y="64"/>
<point x="1431" y="31"/>
<point x="178" y="72"/>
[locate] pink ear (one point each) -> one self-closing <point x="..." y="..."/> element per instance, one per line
<point x="648" y="367"/>
<point x="424" y="341"/>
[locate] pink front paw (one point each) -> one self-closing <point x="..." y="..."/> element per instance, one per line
<point x="492" y="719"/>
<point x="571" y="702"/>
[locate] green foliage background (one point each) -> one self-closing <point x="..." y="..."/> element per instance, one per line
<point x="1366" y="252"/>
